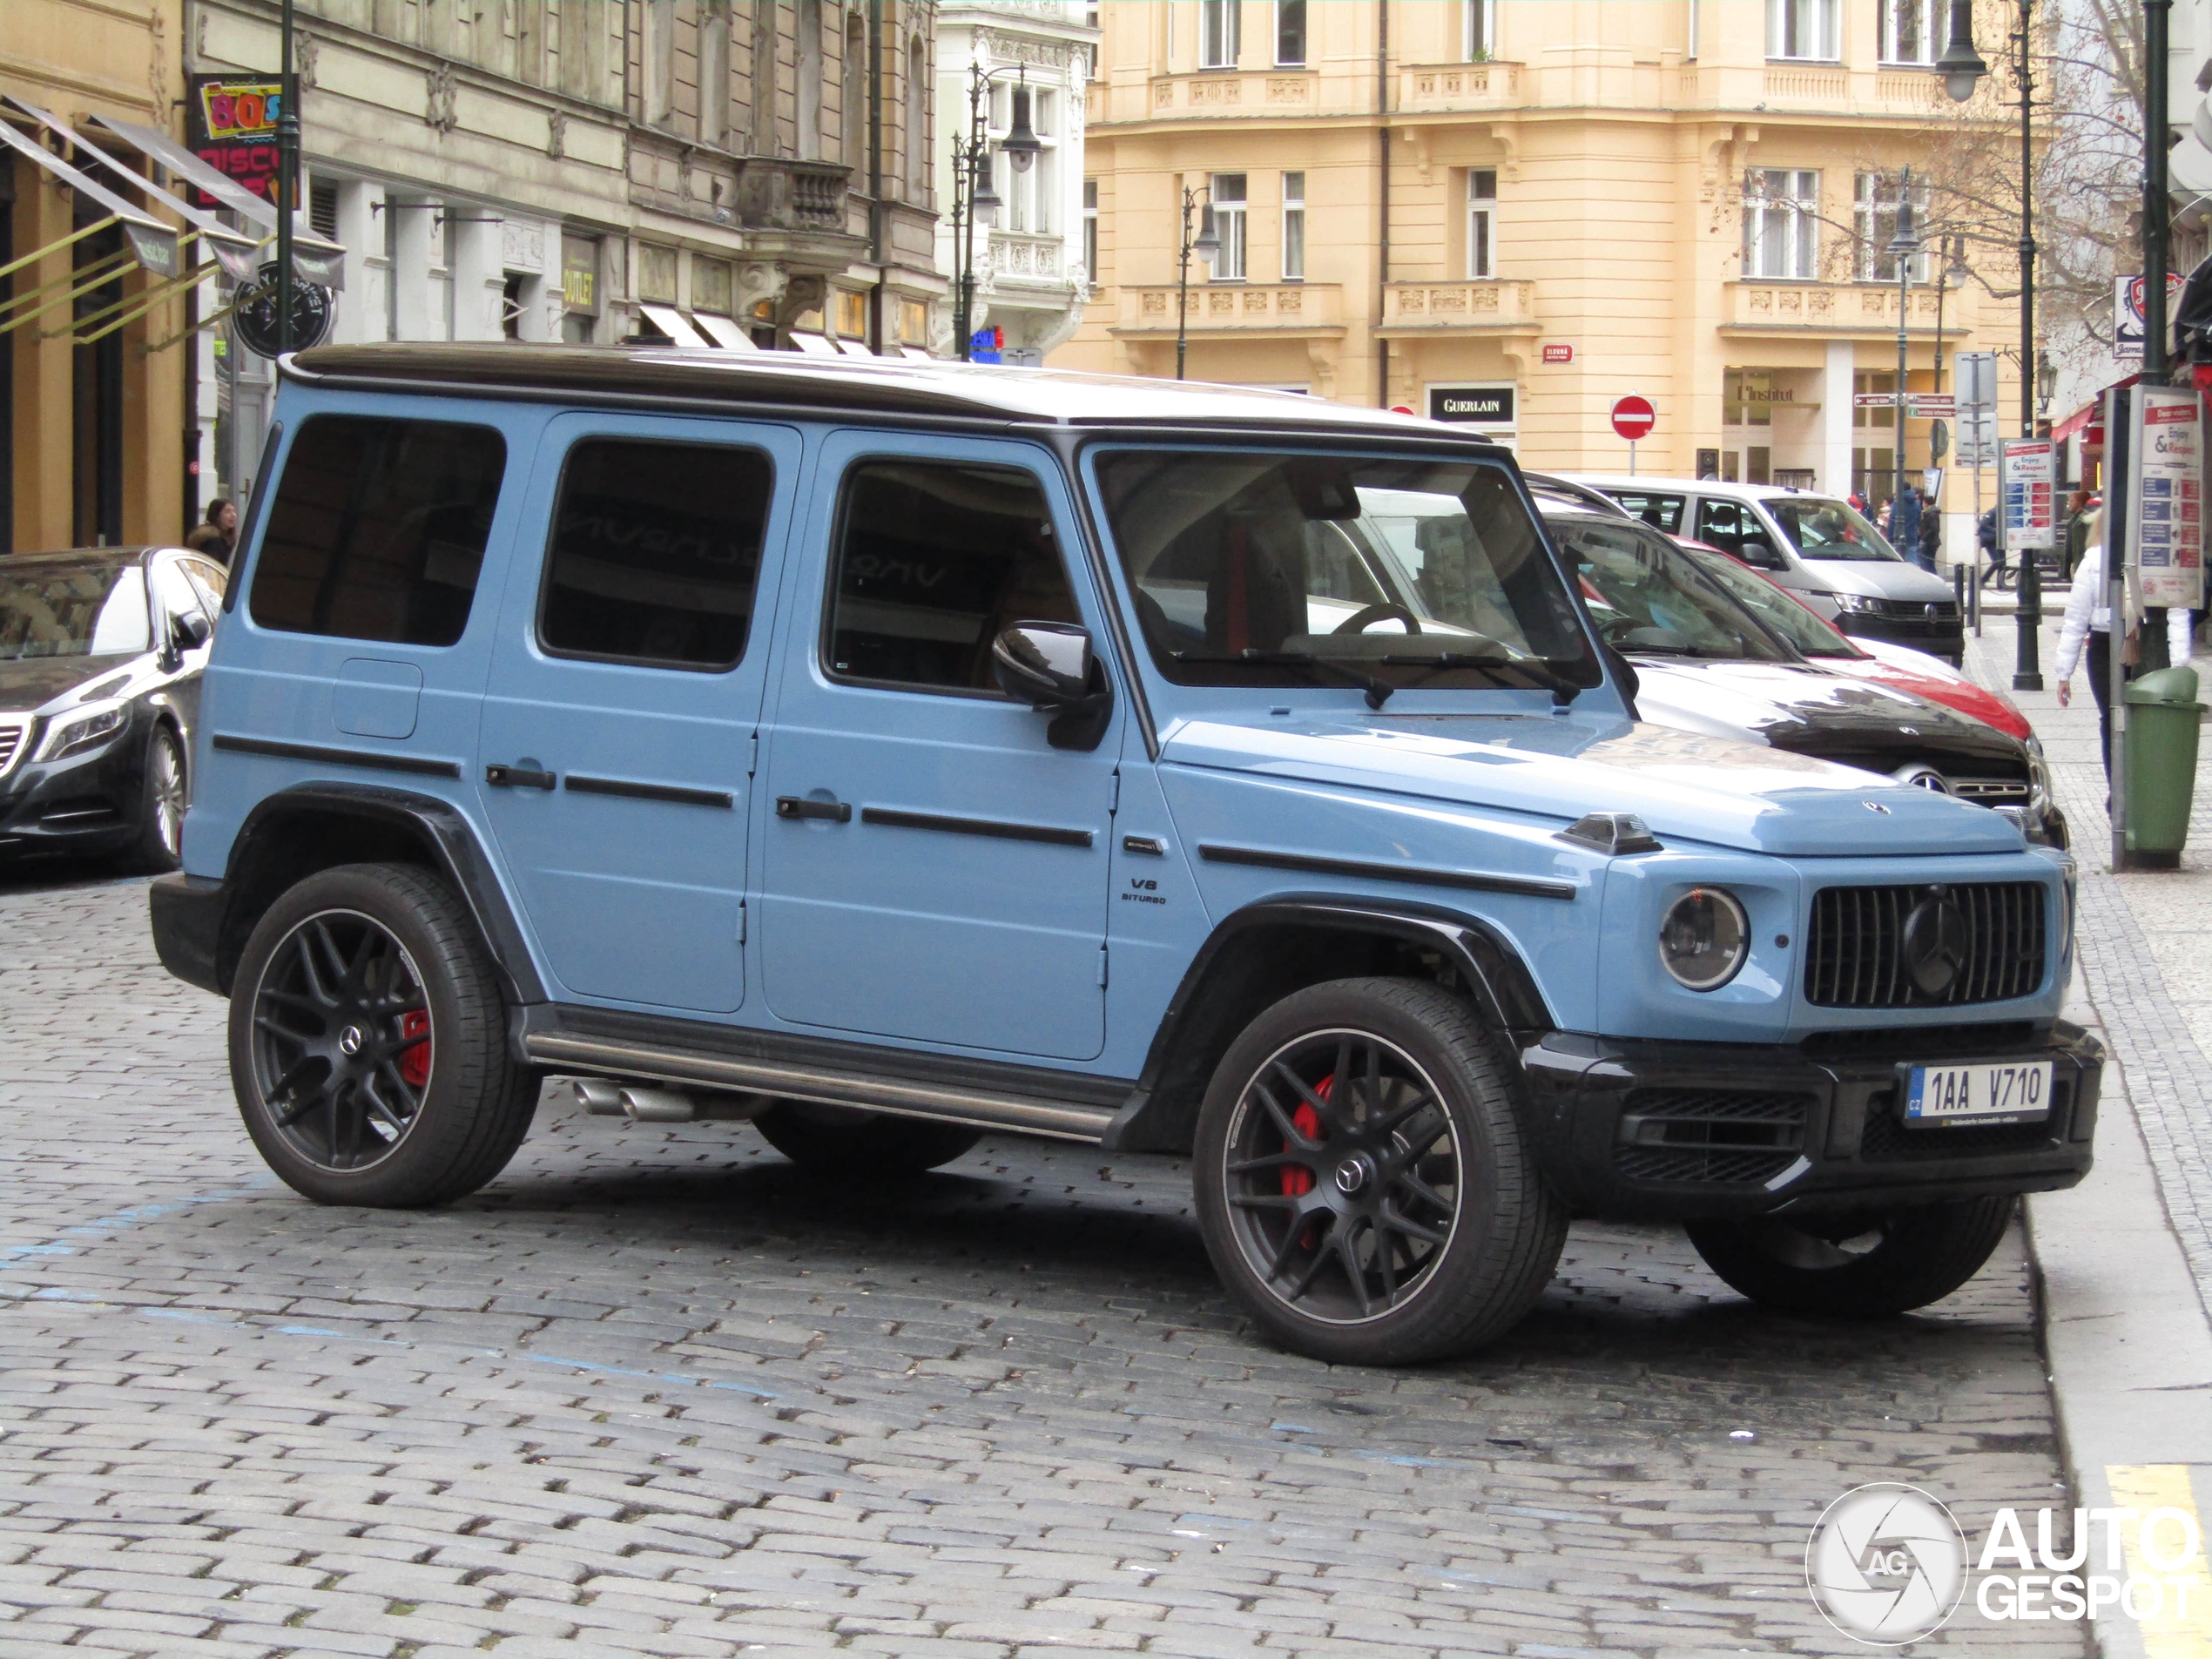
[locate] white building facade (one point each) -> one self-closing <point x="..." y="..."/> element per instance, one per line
<point x="1032" y="268"/>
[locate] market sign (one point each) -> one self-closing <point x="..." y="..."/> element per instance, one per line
<point x="233" y="129"/>
<point x="2027" y="473"/>
<point x="579" y="274"/>
<point x="1490" y="404"/>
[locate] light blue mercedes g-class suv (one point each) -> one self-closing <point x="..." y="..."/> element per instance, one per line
<point x="886" y="753"/>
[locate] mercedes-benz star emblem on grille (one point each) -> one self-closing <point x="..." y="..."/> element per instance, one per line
<point x="1935" y="942"/>
<point x="1922" y="776"/>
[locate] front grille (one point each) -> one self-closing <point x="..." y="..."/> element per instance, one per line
<point x="1887" y="1140"/>
<point x="1726" y="1135"/>
<point x="1854" y="958"/>
<point x="1918" y="610"/>
<point x="11" y="740"/>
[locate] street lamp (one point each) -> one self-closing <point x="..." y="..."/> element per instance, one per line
<point x="1904" y="245"/>
<point x="1960" y="64"/>
<point x="974" y="200"/>
<point x="1205" y="245"/>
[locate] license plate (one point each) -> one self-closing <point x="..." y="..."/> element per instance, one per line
<point x="1989" y="1091"/>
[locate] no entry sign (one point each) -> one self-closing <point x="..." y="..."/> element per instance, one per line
<point x="1634" y="417"/>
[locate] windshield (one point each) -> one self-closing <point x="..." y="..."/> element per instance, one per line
<point x="1804" y="631"/>
<point x="1828" y="529"/>
<point x="1648" y="596"/>
<point x="1246" y="565"/>
<point x="95" y="607"/>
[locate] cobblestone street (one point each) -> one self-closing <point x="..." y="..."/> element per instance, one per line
<point x="654" y="1392"/>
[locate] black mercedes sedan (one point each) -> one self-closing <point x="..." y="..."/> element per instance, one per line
<point x="1705" y="663"/>
<point x="101" y="651"/>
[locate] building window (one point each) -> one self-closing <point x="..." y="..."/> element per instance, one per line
<point x="1290" y="33"/>
<point x="1482" y="221"/>
<point x="1477" y="28"/>
<point x="1227" y="198"/>
<point x="1875" y="215"/>
<point x="1872" y="382"/>
<point x="656" y="273"/>
<point x="1090" y="230"/>
<point x="713" y="288"/>
<point x="1032" y="197"/>
<point x="1801" y="28"/>
<point x="1692" y="51"/>
<point x="1294" y="227"/>
<point x="1217" y="32"/>
<point x="1782" y="224"/>
<point x="1908" y="31"/>
<point x="322" y="210"/>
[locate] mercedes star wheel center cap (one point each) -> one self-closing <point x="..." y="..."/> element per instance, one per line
<point x="1351" y="1175"/>
<point x="350" y="1040"/>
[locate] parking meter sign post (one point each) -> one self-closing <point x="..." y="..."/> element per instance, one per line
<point x="2027" y="475"/>
<point x="1633" y="418"/>
<point x="1975" y="376"/>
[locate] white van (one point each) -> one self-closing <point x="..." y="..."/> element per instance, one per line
<point x="1817" y="546"/>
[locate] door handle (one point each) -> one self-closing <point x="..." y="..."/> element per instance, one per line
<point x="837" y="812"/>
<point x="517" y="778"/>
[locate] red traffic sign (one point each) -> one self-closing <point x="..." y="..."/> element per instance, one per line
<point x="1634" y="417"/>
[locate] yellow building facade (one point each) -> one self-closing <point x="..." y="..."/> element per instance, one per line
<point x="1513" y="213"/>
<point x="92" y="436"/>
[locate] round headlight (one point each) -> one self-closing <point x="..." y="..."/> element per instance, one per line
<point x="1703" y="937"/>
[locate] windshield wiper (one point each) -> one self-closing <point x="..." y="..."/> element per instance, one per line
<point x="1563" y="691"/>
<point x="1378" y="691"/>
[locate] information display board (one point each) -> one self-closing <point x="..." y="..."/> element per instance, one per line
<point x="2027" y="471"/>
<point x="2166" y="496"/>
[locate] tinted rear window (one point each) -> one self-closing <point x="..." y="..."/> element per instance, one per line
<point x="377" y="529"/>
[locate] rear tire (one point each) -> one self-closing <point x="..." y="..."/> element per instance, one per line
<point x="1856" y="1267"/>
<point x="1363" y="1184"/>
<point x="869" y="1145"/>
<point x="368" y="1043"/>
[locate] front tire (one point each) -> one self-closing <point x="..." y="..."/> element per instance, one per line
<point x="1363" y="1184"/>
<point x="162" y="799"/>
<point x="368" y="1043"/>
<point x="872" y="1146"/>
<point x="1858" y="1267"/>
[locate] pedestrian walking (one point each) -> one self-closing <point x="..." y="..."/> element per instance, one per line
<point x="1904" y="528"/>
<point x="1931" y="538"/>
<point x="2077" y="529"/>
<point x="1993" y="547"/>
<point x="1858" y="500"/>
<point x="2088" y="622"/>
<point x="217" y="535"/>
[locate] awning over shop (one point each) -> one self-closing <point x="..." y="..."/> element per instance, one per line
<point x="2088" y="412"/>
<point x="815" y="344"/>
<point x="673" y="323"/>
<point x="914" y="352"/>
<point x="723" y="331"/>
<point x="152" y="244"/>
<point x="315" y="258"/>
<point x="234" y="250"/>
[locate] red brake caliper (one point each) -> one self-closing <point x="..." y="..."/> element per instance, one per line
<point x="415" y="1064"/>
<point x="1297" y="1180"/>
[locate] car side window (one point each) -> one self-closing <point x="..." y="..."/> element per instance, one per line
<point x="1662" y="512"/>
<point x="377" y="529"/>
<point x="177" y="597"/>
<point x="655" y="553"/>
<point x="933" y="560"/>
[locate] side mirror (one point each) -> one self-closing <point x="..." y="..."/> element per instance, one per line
<point x="1050" y="666"/>
<point x="1760" y="551"/>
<point x="193" y="630"/>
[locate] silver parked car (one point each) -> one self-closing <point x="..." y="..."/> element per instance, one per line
<point x="1816" y="545"/>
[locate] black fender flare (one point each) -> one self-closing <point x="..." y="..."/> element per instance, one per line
<point x="1162" y="1109"/>
<point x="434" y="826"/>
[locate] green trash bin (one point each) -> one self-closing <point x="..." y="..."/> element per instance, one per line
<point x="2162" y="712"/>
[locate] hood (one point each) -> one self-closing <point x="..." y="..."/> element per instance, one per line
<point x="1684" y="784"/>
<point x="1880" y="579"/>
<point x="1953" y="691"/>
<point x="28" y="684"/>
<point x="1811" y="709"/>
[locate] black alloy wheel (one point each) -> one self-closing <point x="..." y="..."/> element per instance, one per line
<point x="1343" y="1175"/>
<point x="369" y="1041"/>
<point x="1361" y="1179"/>
<point x="342" y="1047"/>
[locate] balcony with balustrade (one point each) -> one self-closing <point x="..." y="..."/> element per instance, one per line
<point x="1842" y="310"/>
<point x="1232" y="309"/>
<point x="1488" y="306"/>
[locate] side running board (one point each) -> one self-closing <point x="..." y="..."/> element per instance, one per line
<point x="573" y="1051"/>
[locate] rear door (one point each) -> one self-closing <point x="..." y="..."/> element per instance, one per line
<point x="616" y="750"/>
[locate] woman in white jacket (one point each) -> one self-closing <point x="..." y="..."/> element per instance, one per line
<point x="2088" y="621"/>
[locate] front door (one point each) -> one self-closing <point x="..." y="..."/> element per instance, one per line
<point x="934" y="869"/>
<point x="618" y="725"/>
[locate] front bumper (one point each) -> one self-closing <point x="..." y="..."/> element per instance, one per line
<point x="87" y="803"/>
<point x="1944" y="637"/>
<point x="1649" y="1130"/>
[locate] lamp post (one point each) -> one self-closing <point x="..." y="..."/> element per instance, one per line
<point x="1962" y="68"/>
<point x="974" y="200"/>
<point x="1205" y="245"/>
<point x="1905" y="243"/>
